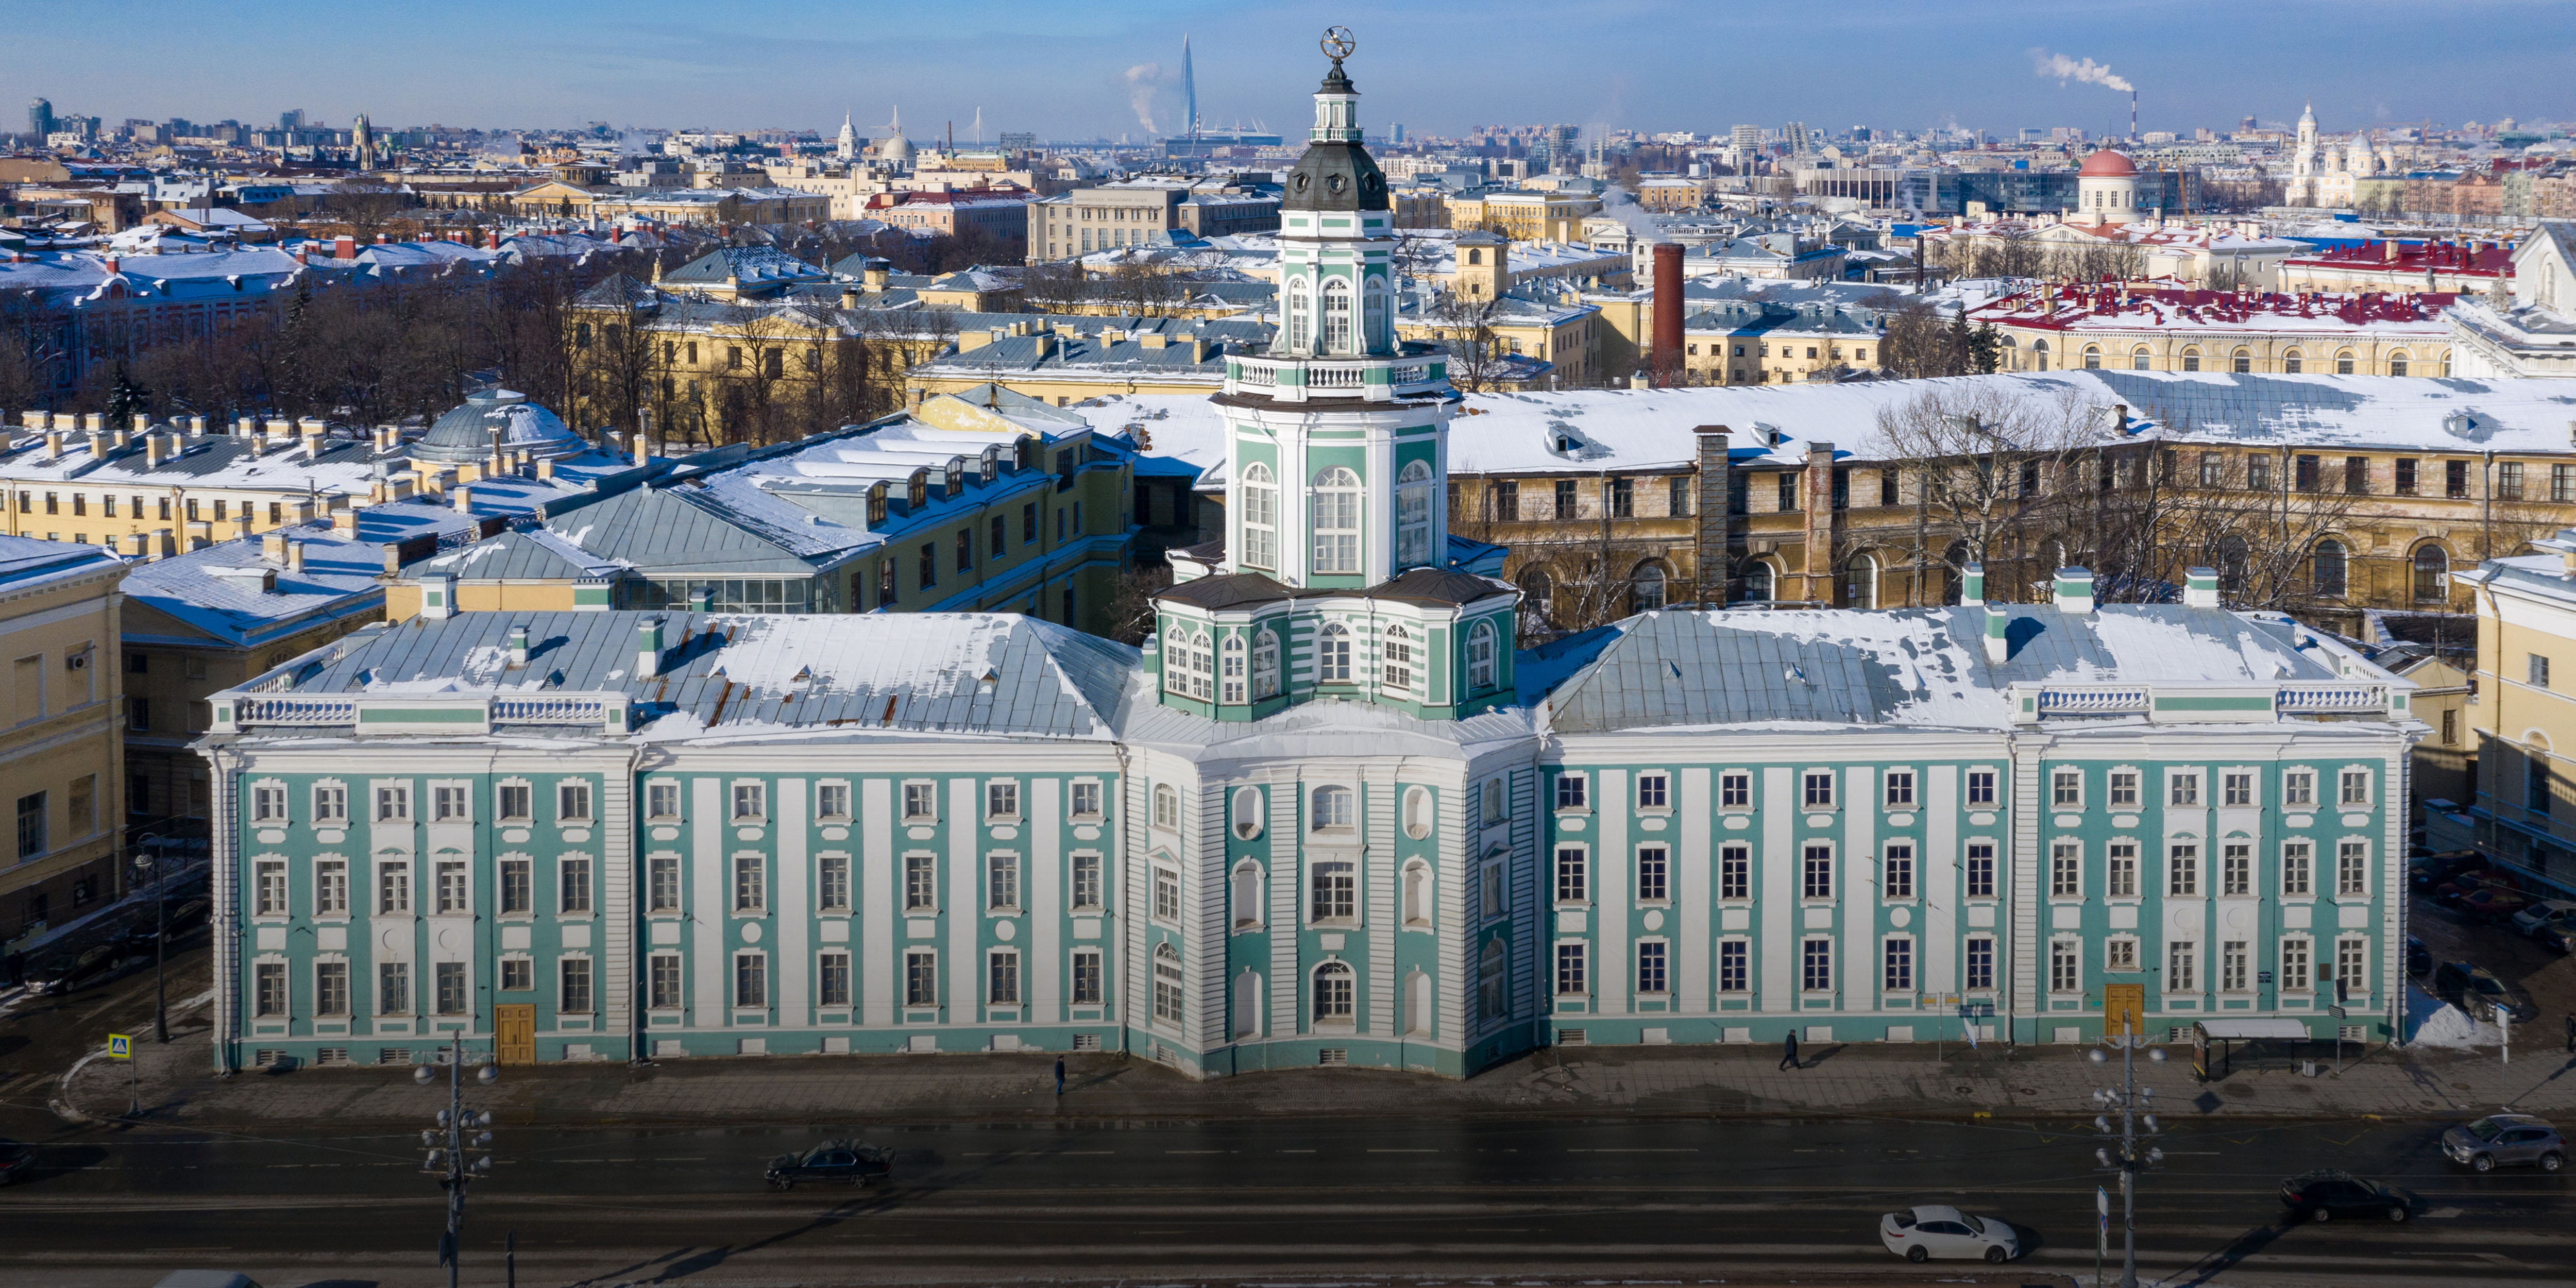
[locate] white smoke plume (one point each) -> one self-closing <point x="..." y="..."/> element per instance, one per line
<point x="1141" y="80"/>
<point x="2073" y="69"/>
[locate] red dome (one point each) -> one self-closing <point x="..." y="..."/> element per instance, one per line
<point x="2107" y="164"/>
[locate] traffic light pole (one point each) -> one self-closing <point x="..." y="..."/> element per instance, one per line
<point x="448" y="1162"/>
<point x="2130" y="1099"/>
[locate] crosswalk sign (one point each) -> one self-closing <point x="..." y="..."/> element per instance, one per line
<point x="120" y="1046"/>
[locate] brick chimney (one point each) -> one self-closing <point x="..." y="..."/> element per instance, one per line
<point x="344" y="247"/>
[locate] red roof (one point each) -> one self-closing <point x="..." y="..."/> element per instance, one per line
<point x="2107" y="164"/>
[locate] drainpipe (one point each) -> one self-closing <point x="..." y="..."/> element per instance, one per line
<point x="226" y="891"/>
<point x="2486" y="505"/>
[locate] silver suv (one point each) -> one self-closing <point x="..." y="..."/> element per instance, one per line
<point x="2506" y="1139"/>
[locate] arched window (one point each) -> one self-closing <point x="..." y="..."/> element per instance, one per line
<point x="1247" y="895"/>
<point x="1480" y="657"/>
<point x="1260" y="517"/>
<point x="1337" y="521"/>
<point x="2231" y="557"/>
<point x="1332" y="807"/>
<point x="2092" y="357"/>
<point x="2191" y="359"/>
<point x="2142" y="359"/>
<point x="1333" y="995"/>
<point x="2243" y="362"/>
<point x="1413" y="516"/>
<point x="1417" y="1004"/>
<point x="1167" y="985"/>
<point x="2052" y="556"/>
<point x="1296" y="315"/>
<point x="1247" y="813"/>
<point x="1373" y="336"/>
<point x="2432" y="574"/>
<point x="1475" y="255"/>
<point x="1860" y="582"/>
<point x="2397" y="363"/>
<point x="2039" y="355"/>
<point x="1200" y="664"/>
<point x="1646" y="589"/>
<point x="2343" y="363"/>
<point x="1493" y="981"/>
<point x="1954" y="573"/>
<point x="1757" y="582"/>
<point x="1230" y="669"/>
<point x="1417" y="893"/>
<point x="1395" y="660"/>
<point x="1538" y="592"/>
<point x="1417" y="812"/>
<point x="1337" y="318"/>
<point x="2328" y="568"/>
<point x="1333" y="655"/>
<point x="1167" y="806"/>
<point x="1265" y="665"/>
<point x="1247" y="1004"/>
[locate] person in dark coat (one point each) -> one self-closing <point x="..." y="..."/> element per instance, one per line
<point x="1789" y="1052"/>
<point x="1059" y="1075"/>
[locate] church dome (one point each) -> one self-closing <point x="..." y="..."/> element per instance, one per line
<point x="465" y="434"/>
<point x="1335" y="175"/>
<point x="2107" y="164"/>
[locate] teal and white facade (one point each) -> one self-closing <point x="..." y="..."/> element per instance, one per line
<point x="1326" y="816"/>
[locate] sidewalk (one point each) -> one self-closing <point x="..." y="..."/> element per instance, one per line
<point x="1874" y="1080"/>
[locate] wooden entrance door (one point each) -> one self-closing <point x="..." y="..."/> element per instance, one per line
<point x="2124" y="1009"/>
<point x="514" y="1033"/>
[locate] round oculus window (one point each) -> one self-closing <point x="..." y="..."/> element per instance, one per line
<point x="1336" y="183"/>
<point x="1301" y="183"/>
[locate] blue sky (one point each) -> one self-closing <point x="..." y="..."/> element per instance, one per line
<point x="1438" y="66"/>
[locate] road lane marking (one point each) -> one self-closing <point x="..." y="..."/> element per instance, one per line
<point x="1633" y="1151"/>
<point x="1404" y="1151"/>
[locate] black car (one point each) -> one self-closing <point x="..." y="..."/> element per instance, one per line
<point x="2478" y="991"/>
<point x="2419" y="959"/>
<point x="17" y="1158"/>
<point x="834" y="1162"/>
<point x="69" y="969"/>
<point x="178" y="917"/>
<point x="2323" y="1196"/>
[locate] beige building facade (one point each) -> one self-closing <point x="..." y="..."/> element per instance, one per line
<point x="62" y="764"/>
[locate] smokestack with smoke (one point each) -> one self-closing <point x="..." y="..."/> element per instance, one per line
<point x="1141" y="79"/>
<point x="2072" y="69"/>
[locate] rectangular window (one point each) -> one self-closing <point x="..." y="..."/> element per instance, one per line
<point x="2299" y="787"/>
<point x="517" y="890"/>
<point x="449" y="803"/>
<point x="2065" y="966"/>
<point x="330" y="804"/>
<point x="2124" y="789"/>
<point x="1735" y="791"/>
<point x="2182" y="872"/>
<point x="2120" y="870"/>
<point x="1980" y="975"/>
<point x="1981" y="787"/>
<point x="1650" y="968"/>
<point x="832" y="979"/>
<point x="2509" y="480"/>
<point x="269" y="888"/>
<point x="2236" y="789"/>
<point x="1651" y="791"/>
<point x="1735" y="872"/>
<point x="393" y="988"/>
<point x="1900" y="789"/>
<point x="518" y="974"/>
<point x="2236" y="869"/>
<point x="832" y="801"/>
<point x="451" y="988"/>
<point x="2352" y="869"/>
<point x="1086" y="881"/>
<point x="572" y="802"/>
<point x="1981" y="870"/>
<point x="2186" y="788"/>
<point x="750" y="980"/>
<point x="920" y="978"/>
<point x="2356" y="475"/>
<point x="2294" y="965"/>
<point x="1334" y="891"/>
<point x="1002" y="881"/>
<point x="1570" y="791"/>
<point x="1001" y="800"/>
<point x="2182" y="967"/>
<point x="1788" y="490"/>
<point x="268" y="803"/>
<point x="574" y="996"/>
<point x="1899" y="882"/>
<point x="2562" y="483"/>
<point x="1899" y="960"/>
<point x="331" y="888"/>
<point x="453" y="897"/>
<point x="2297" y="858"/>
<point x="1653" y="864"/>
<point x="1085" y="800"/>
<point x="2455" y="479"/>
<point x="662" y="800"/>
<point x="920" y="802"/>
<point x="331" y="988"/>
<point x="2120" y="955"/>
<point x="663" y="990"/>
<point x="393" y="804"/>
<point x="2356" y="787"/>
<point x="1565" y="504"/>
<point x="832" y="883"/>
<point x="750" y="801"/>
<point x="1820" y="790"/>
<point x="572" y="876"/>
<point x="1002" y="978"/>
<point x="1818" y="970"/>
<point x="1086" y="977"/>
<point x="2406" y="466"/>
<point x="1731" y="966"/>
<point x="514" y="802"/>
<point x="2066" y="870"/>
<point x="1818" y="872"/>
<point x="1167" y="894"/>
<point x="2352" y="966"/>
<point x="393" y="888"/>
<point x="750" y="883"/>
<point x="920" y="883"/>
<point x="1570" y="884"/>
<point x="1570" y="973"/>
<point x="2066" y="789"/>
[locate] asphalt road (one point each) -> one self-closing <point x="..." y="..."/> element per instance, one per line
<point x="1626" y="1200"/>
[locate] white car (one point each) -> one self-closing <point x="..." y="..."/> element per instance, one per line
<point x="2558" y="912"/>
<point x="1920" y="1234"/>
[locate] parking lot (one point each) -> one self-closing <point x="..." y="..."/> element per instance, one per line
<point x="2551" y="979"/>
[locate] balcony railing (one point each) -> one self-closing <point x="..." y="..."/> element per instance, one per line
<point x="2318" y="699"/>
<point x="556" y="710"/>
<point x="296" y="711"/>
<point x="2094" y="700"/>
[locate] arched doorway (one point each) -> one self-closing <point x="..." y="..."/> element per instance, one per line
<point x="1859" y="583"/>
<point x="1646" y="588"/>
<point x="2432" y="568"/>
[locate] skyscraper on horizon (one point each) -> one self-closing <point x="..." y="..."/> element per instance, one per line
<point x="40" y="119"/>
<point x="1189" y="90"/>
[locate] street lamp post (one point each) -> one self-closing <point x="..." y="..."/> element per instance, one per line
<point x="158" y="865"/>
<point x="2130" y="1099"/>
<point x="447" y="1161"/>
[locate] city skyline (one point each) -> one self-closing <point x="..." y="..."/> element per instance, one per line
<point x="1431" y="67"/>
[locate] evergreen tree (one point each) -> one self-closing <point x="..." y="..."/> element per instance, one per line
<point x="126" y="399"/>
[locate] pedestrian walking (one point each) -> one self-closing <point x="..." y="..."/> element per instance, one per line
<point x="2571" y="1035"/>
<point x="1789" y="1052"/>
<point x="1059" y="1075"/>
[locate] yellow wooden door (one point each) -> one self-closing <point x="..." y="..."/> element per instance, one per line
<point x="2124" y="1009"/>
<point x="514" y="1033"/>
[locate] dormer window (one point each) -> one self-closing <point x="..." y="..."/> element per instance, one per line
<point x="952" y="480"/>
<point x="876" y="505"/>
<point x="917" y="493"/>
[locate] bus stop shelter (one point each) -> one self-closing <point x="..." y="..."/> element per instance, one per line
<point x="2226" y="1033"/>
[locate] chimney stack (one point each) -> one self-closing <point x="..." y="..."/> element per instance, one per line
<point x="464" y="496"/>
<point x="2200" y="588"/>
<point x="153" y="451"/>
<point x="241" y="524"/>
<point x="648" y="647"/>
<point x="1972" y="585"/>
<point x="344" y="247"/>
<point x="272" y="547"/>
<point x="53" y="446"/>
<point x="98" y="444"/>
<point x="295" y="557"/>
<point x="2075" y="589"/>
<point x="518" y="648"/>
<point x="344" y="523"/>
<point x="164" y="544"/>
<point x="1668" y="313"/>
<point x="1997" y="647"/>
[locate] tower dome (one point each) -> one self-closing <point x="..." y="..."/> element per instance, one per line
<point x="467" y="432"/>
<point x="2107" y="164"/>
<point x="896" y="149"/>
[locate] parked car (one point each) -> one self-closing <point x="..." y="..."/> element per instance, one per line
<point x="2419" y="959"/>
<point x="2478" y="991"/>
<point x="17" y="1158"/>
<point x="2469" y="883"/>
<point x="206" y="1279"/>
<point x="2545" y="912"/>
<point x="1920" y="1234"/>
<point x="2557" y="939"/>
<point x="2323" y="1196"/>
<point x="2493" y="905"/>
<point x="834" y="1162"/>
<point x="67" y="970"/>
<point x="178" y="917"/>
<point x="2505" y="1140"/>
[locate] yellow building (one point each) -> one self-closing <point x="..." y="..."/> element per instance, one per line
<point x="1524" y="216"/>
<point x="62" y="769"/>
<point x="2522" y="815"/>
<point x="2135" y="327"/>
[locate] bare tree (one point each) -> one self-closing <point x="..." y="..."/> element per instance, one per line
<point x="1464" y="325"/>
<point x="1996" y="471"/>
